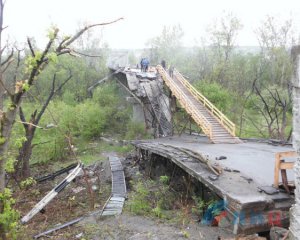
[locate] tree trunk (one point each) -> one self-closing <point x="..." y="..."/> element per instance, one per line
<point x="1" y="87"/>
<point x="24" y="156"/>
<point x="295" y="209"/>
<point x="25" y="151"/>
<point x="6" y="123"/>
<point x="283" y="124"/>
<point x="2" y="146"/>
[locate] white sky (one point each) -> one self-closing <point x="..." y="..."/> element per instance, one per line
<point x="142" y="19"/>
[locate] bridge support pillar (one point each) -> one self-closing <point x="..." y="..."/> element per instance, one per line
<point x="138" y="113"/>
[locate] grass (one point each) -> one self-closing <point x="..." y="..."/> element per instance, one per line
<point x="88" y="152"/>
<point x="156" y="199"/>
<point x="88" y="159"/>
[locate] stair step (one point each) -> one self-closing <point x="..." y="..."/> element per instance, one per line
<point x="221" y="137"/>
<point x="219" y="128"/>
<point x="220" y="134"/>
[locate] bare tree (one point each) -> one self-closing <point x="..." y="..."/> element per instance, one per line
<point x="273" y="107"/>
<point x="272" y="86"/>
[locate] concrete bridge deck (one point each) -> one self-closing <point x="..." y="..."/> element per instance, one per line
<point x="249" y="210"/>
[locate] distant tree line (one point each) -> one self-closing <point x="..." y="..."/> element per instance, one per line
<point x="250" y="84"/>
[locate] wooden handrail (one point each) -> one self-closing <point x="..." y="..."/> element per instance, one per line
<point x="279" y="164"/>
<point x="186" y="103"/>
<point x="224" y="121"/>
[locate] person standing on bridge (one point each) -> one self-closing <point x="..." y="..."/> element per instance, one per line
<point x="163" y="64"/>
<point x="146" y="64"/>
<point x="142" y="64"/>
<point x="171" y="71"/>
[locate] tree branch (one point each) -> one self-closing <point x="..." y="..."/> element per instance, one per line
<point x="18" y="65"/>
<point x="78" y="34"/>
<point x="35" y="70"/>
<point x="30" y="47"/>
<point x="263" y="100"/>
<point x="60" y="87"/>
<point x="22" y="118"/>
<point x="53" y="91"/>
<point x="258" y="128"/>
<point x="86" y="55"/>
<point x="6" y="89"/>
<point x="8" y="59"/>
<point x="7" y="65"/>
<point x="29" y="124"/>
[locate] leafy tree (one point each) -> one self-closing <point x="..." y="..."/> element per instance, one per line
<point x="34" y="65"/>
<point x="25" y="151"/>
<point x="216" y="94"/>
<point x="223" y="34"/>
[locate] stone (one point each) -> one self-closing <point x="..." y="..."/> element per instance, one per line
<point x="278" y="233"/>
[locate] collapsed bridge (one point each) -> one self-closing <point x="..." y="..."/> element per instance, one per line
<point x="245" y="179"/>
<point x="147" y="90"/>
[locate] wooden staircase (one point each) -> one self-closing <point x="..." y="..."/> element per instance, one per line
<point x="217" y="127"/>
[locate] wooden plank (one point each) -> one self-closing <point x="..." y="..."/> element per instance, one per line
<point x="287" y="165"/>
<point x="277" y="169"/>
<point x="280" y="164"/>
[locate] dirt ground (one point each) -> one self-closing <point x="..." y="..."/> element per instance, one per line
<point x="130" y="227"/>
<point x="74" y="202"/>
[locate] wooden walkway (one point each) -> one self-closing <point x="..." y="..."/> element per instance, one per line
<point x="114" y="205"/>
<point x="212" y="121"/>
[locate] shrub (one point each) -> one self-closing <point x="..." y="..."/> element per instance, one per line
<point x="8" y="217"/>
<point x="139" y="203"/>
<point x="136" y="130"/>
<point x="216" y="94"/>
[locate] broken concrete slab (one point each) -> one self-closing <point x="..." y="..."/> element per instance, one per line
<point x="248" y="210"/>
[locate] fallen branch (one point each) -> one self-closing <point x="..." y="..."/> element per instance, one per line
<point x="55" y="174"/>
<point x="59" y="227"/>
<point x="28" y="123"/>
<point x="100" y="212"/>
<point x="41" y="204"/>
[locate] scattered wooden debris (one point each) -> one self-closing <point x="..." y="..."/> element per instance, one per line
<point x="58" y="227"/>
<point x="114" y="203"/>
<point x="55" y="174"/>
<point x="39" y="206"/>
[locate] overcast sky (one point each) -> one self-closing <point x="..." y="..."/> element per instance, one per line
<point x="142" y="19"/>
